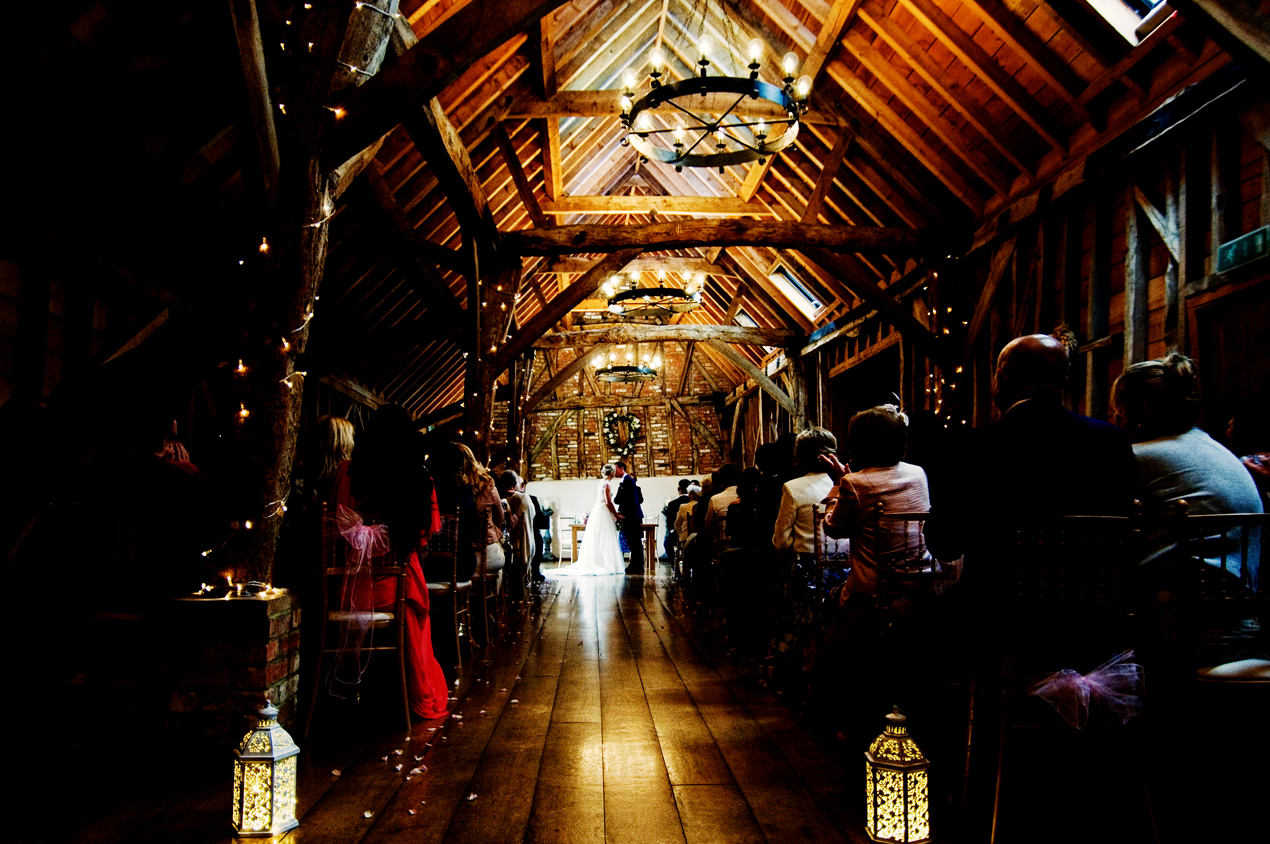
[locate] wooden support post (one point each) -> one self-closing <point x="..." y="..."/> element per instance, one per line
<point x="738" y="411"/>
<point x="1069" y="283"/>
<point x="1224" y="188"/>
<point x="1135" y="285"/>
<point x="1097" y="309"/>
<point x="798" y="390"/>
<point x="1172" y="273"/>
<point x="251" y="52"/>
<point x="273" y="391"/>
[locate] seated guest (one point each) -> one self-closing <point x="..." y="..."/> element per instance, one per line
<point x="520" y="510"/>
<point x="670" y="511"/>
<point x="877" y="439"/>
<point x="685" y="526"/>
<point x="386" y="482"/>
<point x="744" y="528"/>
<point x="794" y="535"/>
<point x="489" y="507"/>
<point x="724" y="478"/>
<point x="1038" y="459"/>
<point x="800" y="496"/>
<point x="446" y="463"/>
<point x="1158" y="401"/>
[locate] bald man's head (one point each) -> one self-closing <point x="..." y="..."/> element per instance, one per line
<point x="1029" y="367"/>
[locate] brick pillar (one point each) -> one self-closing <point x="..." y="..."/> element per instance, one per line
<point x="226" y="656"/>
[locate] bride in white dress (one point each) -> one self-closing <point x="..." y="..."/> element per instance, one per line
<point x="601" y="550"/>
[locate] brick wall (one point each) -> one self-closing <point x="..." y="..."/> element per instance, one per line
<point x="226" y="657"/>
<point x="666" y="445"/>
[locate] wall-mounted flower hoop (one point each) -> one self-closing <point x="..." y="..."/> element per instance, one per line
<point x="620" y="432"/>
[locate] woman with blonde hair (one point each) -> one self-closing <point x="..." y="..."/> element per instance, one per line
<point x="334" y="445"/>
<point x="464" y="482"/>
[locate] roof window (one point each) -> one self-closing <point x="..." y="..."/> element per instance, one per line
<point x="794" y="290"/>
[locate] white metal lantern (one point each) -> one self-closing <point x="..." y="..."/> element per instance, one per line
<point x="897" y="794"/>
<point x="264" y="779"/>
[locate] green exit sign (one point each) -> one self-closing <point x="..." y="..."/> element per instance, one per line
<point x="1242" y="250"/>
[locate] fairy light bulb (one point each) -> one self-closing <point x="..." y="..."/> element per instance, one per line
<point x="790" y="63"/>
<point x="756" y="48"/>
<point x="243" y="412"/>
<point x="264" y="246"/>
<point x="241" y="369"/>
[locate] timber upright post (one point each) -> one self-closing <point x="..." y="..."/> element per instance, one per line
<point x="269" y="417"/>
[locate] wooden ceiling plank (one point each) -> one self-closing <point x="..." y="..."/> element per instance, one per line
<point x="989" y="72"/>
<point x="610" y="400"/>
<point x="905" y="135"/>
<point x="1027" y="45"/>
<point x="873" y="13"/>
<point x="915" y="101"/>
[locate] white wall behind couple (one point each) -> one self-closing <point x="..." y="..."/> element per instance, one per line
<point x="572" y="500"/>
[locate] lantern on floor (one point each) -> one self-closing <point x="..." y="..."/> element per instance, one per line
<point x="897" y="806"/>
<point x="264" y="779"/>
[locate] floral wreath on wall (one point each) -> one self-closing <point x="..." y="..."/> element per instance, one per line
<point x="613" y="422"/>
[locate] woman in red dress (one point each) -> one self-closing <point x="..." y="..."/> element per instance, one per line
<point x="386" y="482"/>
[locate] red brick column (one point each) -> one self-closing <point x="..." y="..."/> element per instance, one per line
<point x="227" y="656"/>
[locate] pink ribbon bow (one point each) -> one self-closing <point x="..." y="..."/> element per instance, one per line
<point x="367" y="540"/>
<point x="1116" y="686"/>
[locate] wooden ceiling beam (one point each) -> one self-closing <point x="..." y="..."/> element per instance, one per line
<point x="608" y="104"/>
<point x="885" y="302"/>
<point x="989" y="72"/>
<point x="564" y="301"/>
<point x="758" y="375"/>
<point x="1119" y="71"/>
<point x="609" y="400"/>
<point x="251" y="52"/>
<point x="564" y="240"/>
<point x="565" y="265"/>
<point x="523" y="190"/>
<point x="427" y="68"/>
<point x="670" y="205"/>
<point x="425" y="280"/>
<point x="448" y="158"/>
<point x="639" y="333"/>
<point x="566" y="372"/>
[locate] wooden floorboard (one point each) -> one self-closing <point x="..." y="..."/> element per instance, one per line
<point x="608" y="714"/>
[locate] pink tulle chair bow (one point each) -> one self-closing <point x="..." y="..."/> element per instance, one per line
<point x="1116" y="686"/>
<point x="357" y="598"/>
<point x="367" y="540"/>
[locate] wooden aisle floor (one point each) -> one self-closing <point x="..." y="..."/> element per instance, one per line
<point x="607" y="714"/>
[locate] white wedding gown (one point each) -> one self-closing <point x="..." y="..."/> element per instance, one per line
<point x="601" y="550"/>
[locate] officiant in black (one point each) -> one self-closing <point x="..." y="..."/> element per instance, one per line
<point x="628" y="499"/>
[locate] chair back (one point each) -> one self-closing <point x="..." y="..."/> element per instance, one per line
<point x="443" y="549"/>
<point x="335" y="567"/>
<point x="906" y="568"/>
<point x="1059" y="587"/>
<point x="1222" y="556"/>
<point x="830" y="553"/>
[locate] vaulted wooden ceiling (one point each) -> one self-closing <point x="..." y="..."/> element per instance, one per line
<point x="925" y="114"/>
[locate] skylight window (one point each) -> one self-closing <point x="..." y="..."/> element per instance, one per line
<point x="742" y="318"/>
<point x="1129" y="16"/>
<point x="795" y="290"/>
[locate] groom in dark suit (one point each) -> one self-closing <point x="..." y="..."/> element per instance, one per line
<point x="631" y="517"/>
